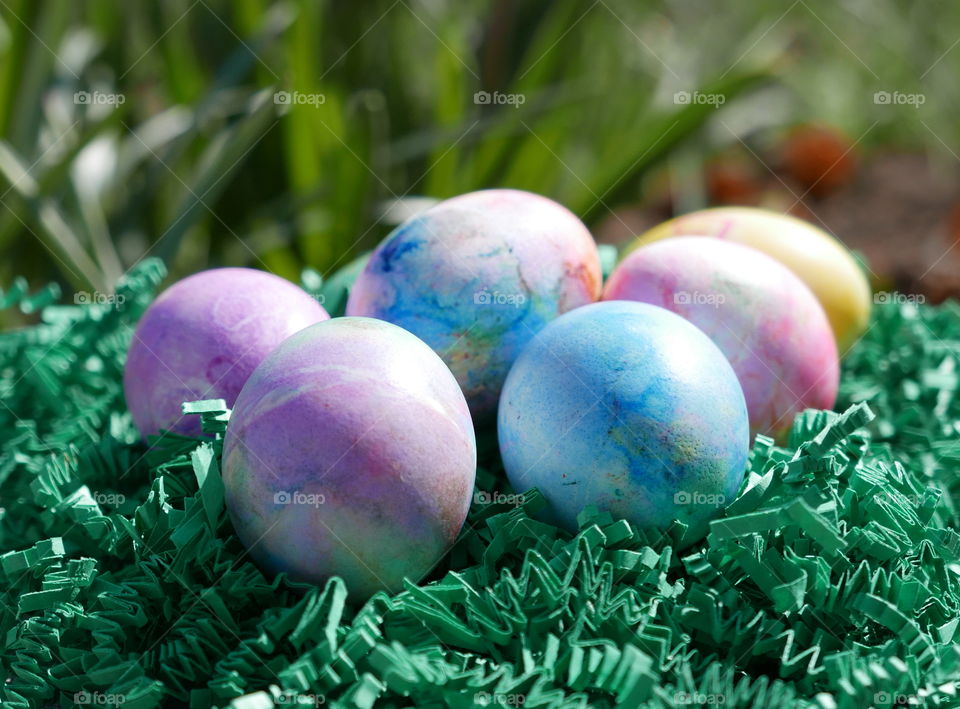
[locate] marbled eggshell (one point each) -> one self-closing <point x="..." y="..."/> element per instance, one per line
<point x="817" y="258"/>
<point x="763" y="318"/>
<point x="628" y="407"/>
<point x="201" y="339"/>
<point x="350" y="452"/>
<point x="476" y="277"/>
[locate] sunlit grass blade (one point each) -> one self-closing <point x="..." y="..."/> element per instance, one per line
<point x="653" y="140"/>
<point x="79" y="267"/>
<point x="221" y="159"/>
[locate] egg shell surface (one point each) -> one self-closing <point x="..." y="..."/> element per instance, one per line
<point x="202" y="338"/>
<point x="816" y="257"/>
<point x="476" y="277"/>
<point x="763" y="318"/>
<point x="350" y="452"/>
<point x="628" y="407"/>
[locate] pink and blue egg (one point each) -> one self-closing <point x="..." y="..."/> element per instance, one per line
<point x="203" y="337"/>
<point x="628" y="407"/>
<point x="476" y="277"/>
<point x="765" y="320"/>
<point x="350" y="452"/>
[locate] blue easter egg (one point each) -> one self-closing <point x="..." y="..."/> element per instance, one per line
<point x="478" y="275"/>
<point x="628" y="407"/>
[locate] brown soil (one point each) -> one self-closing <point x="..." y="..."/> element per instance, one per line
<point x="901" y="212"/>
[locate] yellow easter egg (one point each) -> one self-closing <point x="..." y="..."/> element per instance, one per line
<point x="822" y="262"/>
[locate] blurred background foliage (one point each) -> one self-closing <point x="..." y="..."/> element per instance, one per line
<point x="195" y="160"/>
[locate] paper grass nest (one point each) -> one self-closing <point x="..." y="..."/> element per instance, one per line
<point x="832" y="580"/>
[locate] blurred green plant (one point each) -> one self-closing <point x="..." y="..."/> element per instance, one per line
<point x="273" y="133"/>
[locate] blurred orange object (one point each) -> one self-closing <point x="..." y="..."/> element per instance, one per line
<point x="953" y="224"/>
<point x="819" y="157"/>
<point x="730" y="182"/>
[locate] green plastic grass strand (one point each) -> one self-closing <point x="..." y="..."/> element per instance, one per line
<point x="830" y="581"/>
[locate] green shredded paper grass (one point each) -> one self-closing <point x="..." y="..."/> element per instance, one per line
<point x="832" y="580"/>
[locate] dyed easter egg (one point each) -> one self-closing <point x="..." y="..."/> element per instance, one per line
<point x="822" y="262"/>
<point x="350" y="452"/>
<point x="763" y="318"/>
<point x="476" y="276"/>
<point x="628" y="407"/>
<point x="201" y="339"/>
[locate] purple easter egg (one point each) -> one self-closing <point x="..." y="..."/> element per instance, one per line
<point x="476" y="277"/>
<point x="763" y="318"/>
<point x="202" y="338"/>
<point x="350" y="452"/>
